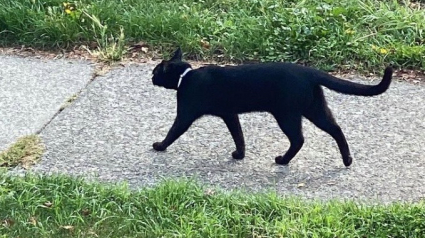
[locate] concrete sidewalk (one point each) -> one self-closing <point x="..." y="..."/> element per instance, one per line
<point x="108" y="131"/>
<point x="32" y="92"/>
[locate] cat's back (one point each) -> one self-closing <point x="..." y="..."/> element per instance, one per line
<point x="260" y="73"/>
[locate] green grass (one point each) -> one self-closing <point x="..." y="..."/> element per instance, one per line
<point x="35" y="206"/>
<point x="345" y="34"/>
<point x="25" y="152"/>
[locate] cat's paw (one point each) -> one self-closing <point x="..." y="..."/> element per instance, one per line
<point x="238" y="155"/>
<point x="348" y="161"/>
<point x="158" y="146"/>
<point x="281" y="160"/>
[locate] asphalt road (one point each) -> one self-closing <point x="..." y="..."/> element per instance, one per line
<point x="108" y="131"/>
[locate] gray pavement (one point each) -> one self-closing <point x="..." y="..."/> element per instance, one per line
<point x="32" y="91"/>
<point x="107" y="133"/>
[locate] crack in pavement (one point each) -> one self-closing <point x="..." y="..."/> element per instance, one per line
<point x="93" y="78"/>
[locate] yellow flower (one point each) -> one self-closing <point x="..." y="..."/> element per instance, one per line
<point x="374" y="47"/>
<point x="383" y="51"/>
<point x="69" y="8"/>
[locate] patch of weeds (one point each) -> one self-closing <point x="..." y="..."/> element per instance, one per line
<point x="68" y="102"/>
<point x="25" y="152"/>
<point x="109" y="47"/>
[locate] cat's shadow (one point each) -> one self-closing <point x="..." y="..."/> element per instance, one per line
<point x="327" y="176"/>
<point x="270" y="171"/>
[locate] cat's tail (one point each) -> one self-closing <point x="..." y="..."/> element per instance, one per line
<point x="352" y="88"/>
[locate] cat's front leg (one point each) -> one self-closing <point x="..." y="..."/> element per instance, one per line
<point x="234" y="126"/>
<point x="180" y="126"/>
<point x="159" y="146"/>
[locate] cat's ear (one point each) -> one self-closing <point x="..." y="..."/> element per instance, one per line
<point x="177" y="55"/>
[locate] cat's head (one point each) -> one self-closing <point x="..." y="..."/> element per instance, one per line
<point x="167" y="73"/>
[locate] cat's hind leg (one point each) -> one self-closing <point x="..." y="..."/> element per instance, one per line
<point x="321" y="116"/>
<point x="234" y="126"/>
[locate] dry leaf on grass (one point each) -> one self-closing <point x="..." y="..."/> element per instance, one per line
<point x="7" y="222"/>
<point x="68" y="228"/>
<point x="85" y="212"/>
<point x="142" y="46"/>
<point x="92" y="233"/>
<point x="47" y="204"/>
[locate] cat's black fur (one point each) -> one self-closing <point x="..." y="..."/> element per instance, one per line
<point x="288" y="91"/>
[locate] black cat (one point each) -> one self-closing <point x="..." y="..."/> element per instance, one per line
<point x="288" y="91"/>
